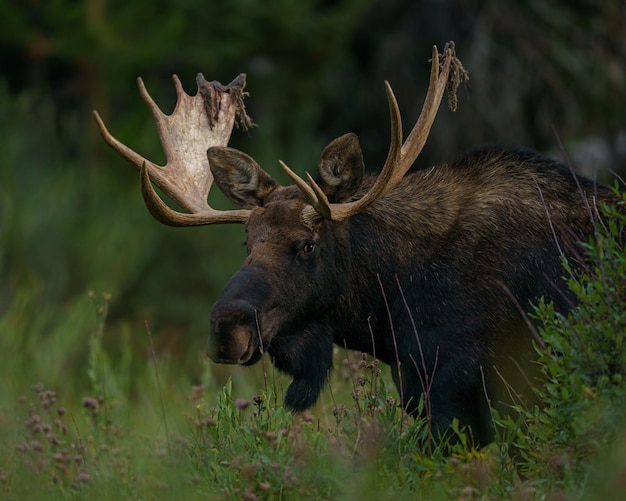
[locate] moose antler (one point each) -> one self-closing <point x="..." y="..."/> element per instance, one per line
<point x="401" y="155"/>
<point x="197" y="123"/>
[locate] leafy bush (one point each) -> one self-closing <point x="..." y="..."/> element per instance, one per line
<point x="583" y="360"/>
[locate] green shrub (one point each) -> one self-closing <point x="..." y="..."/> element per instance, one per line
<point x="583" y="361"/>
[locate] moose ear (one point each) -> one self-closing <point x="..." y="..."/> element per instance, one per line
<point x="340" y="168"/>
<point x="239" y="177"/>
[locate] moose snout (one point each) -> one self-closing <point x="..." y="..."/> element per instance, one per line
<point x="234" y="335"/>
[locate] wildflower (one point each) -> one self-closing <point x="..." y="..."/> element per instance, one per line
<point x="270" y="435"/>
<point x="48" y="398"/>
<point x="37" y="387"/>
<point x="242" y="404"/>
<point x="197" y="392"/>
<point x="52" y="439"/>
<point x="248" y="495"/>
<point x="90" y="403"/>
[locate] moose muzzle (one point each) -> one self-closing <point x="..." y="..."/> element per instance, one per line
<point x="235" y="336"/>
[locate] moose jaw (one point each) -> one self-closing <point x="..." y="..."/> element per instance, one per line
<point x="428" y="271"/>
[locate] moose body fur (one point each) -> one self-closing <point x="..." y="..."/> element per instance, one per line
<point x="432" y="277"/>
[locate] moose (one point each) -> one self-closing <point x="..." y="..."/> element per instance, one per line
<point x="429" y="271"/>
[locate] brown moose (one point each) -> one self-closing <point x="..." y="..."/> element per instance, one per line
<point x="427" y="271"/>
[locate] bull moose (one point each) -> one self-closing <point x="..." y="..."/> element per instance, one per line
<point x="429" y="271"/>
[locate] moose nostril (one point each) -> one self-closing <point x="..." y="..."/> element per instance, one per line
<point x="218" y="325"/>
<point x="225" y="315"/>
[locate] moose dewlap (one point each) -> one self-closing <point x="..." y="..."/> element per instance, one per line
<point x="430" y="271"/>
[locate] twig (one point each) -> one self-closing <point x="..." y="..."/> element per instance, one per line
<point x="393" y="336"/>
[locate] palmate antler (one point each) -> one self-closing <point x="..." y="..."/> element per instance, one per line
<point x="197" y="123"/>
<point x="401" y="155"/>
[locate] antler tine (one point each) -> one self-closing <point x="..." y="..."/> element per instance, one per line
<point x="416" y="139"/>
<point x="400" y="157"/>
<point x="316" y="197"/>
<point x="124" y="151"/>
<point x="388" y="176"/>
<point x="197" y="123"/>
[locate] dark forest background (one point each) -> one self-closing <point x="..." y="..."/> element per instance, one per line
<point x="71" y="215"/>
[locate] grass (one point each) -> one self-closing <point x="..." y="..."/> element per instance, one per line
<point x="93" y="405"/>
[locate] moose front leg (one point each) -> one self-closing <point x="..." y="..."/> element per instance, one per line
<point x="308" y="357"/>
<point x="455" y="389"/>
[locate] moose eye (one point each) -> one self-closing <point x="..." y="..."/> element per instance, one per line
<point x="308" y="247"/>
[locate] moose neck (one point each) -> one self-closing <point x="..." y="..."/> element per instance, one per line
<point x="400" y="234"/>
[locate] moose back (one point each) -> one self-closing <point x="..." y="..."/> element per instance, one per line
<point x="429" y="271"/>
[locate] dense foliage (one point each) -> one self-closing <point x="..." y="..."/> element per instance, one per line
<point x="583" y="359"/>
